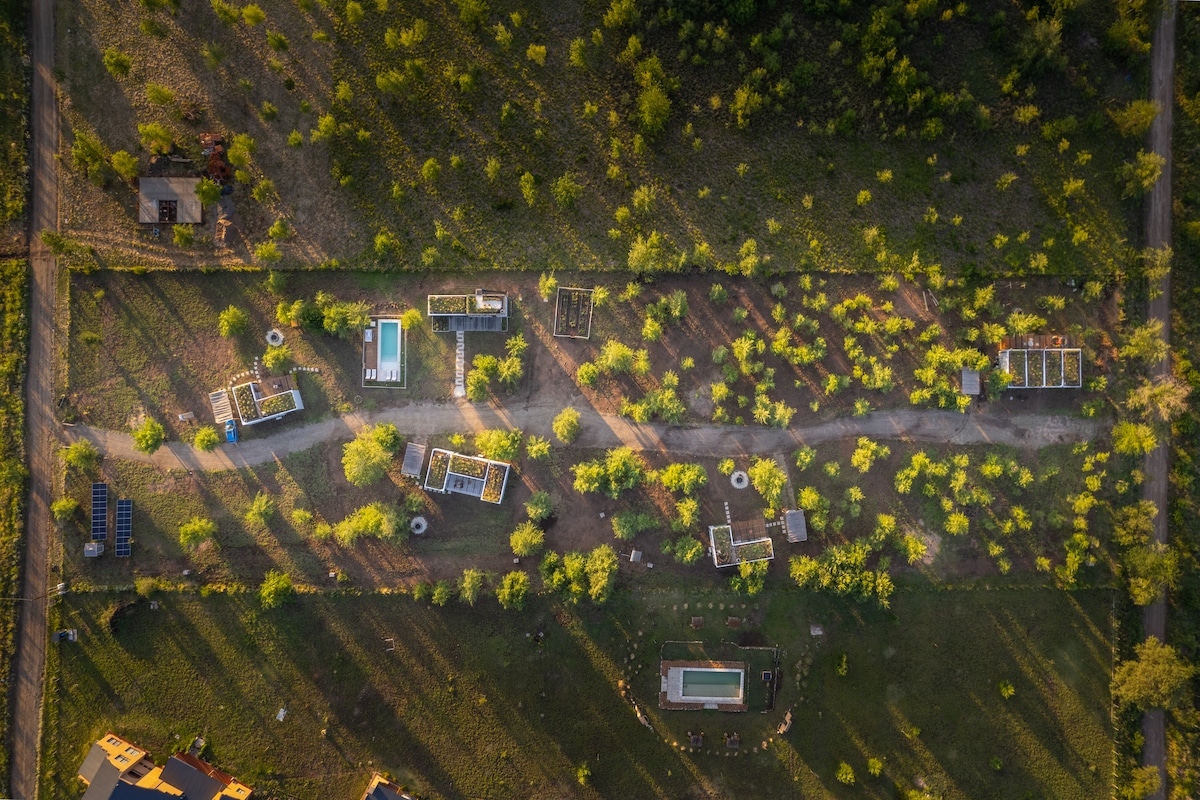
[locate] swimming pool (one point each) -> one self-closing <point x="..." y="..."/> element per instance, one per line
<point x="389" y="343"/>
<point x="710" y="683"/>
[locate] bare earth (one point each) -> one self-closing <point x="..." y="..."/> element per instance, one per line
<point x="603" y="430"/>
<point x="30" y="664"/>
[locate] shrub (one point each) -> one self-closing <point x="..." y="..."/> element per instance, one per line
<point x="276" y="590"/>
<point x="365" y="458"/>
<point x="116" y="62"/>
<point x="81" y="455"/>
<point x="539" y="506"/>
<point x="769" y="480"/>
<point x="527" y="539"/>
<point x="514" y="586"/>
<point x="628" y="524"/>
<point x="277" y="358"/>
<point x="262" y="509"/>
<point x="470" y="585"/>
<point x="566" y="425"/>
<point x="196" y="532"/>
<point x="1139" y="176"/>
<point x="64" y="508"/>
<point x="380" y="520"/>
<point x="537" y="54"/>
<point x="566" y="191"/>
<point x="547" y="286"/>
<point x="206" y="439"/>
<point x="528" y="186"/>
<point x="1133" y="438"/>
<point x="845" y="774"/>
<point x="498" y="445"/>
<point x="148" y="437"/>
<point x="683" y="478"/>
<point x="125" y="165"/>
<point x="158" y="94"/>
<point x="537" y="447"/>
<point x="621" y="470"/>
<point x="233" y="321"/>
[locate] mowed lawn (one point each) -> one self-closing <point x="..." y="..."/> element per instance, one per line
<point x="468" y="704"/>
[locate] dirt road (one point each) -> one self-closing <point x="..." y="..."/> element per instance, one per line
<point x="1158" y="235"/>
<point x="30" y="665"/>
<point x="602" y="430"/>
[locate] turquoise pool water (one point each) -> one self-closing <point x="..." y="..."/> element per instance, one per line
<point x="389" y="342"/>
<point x="712" y="683"/>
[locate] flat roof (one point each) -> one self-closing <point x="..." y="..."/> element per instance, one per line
<point x="181" y="191"/>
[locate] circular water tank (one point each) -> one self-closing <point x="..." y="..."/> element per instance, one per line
<point x="739" y="479"/>
<point x="419" y="525"/>
<point x="274" y="337"/>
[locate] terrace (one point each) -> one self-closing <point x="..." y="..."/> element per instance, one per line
<point x="455" y="473"/>
<point x="259" y="401"/>
<point x="385" y="354"/>
<point x="482" y="311"/>
<point x="703" y="686"/>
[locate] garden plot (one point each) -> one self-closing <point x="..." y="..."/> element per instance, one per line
<point x="573" y="313"/>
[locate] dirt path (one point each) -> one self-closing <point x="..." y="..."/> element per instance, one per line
<point x="1158" y="235"/>
<point x="30" y="662"/>
<point x="602" y="430"/>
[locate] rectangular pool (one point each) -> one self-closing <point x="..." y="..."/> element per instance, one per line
<point x="712" y="683"/>
<point x="389" y="344"/>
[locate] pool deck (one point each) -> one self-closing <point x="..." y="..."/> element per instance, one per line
<point x="371" y="377"/>
<point x="672" y="685"/>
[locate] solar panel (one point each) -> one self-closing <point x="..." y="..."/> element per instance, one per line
<point x="99" y="512"/>
<point x="124" y="526"/>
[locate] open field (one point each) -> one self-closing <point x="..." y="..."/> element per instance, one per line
<point x="125" y="362"/>
<point x="453" y="711"/>
<point x="401" y="137"/>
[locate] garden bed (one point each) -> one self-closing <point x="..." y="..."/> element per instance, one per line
<point x="439" y="466"/>
<point x="573" y="313"/>
<point x="1054" y="368"/>
<point x="277" y="404"/>
<point x="246" y="402"/>
<point x="1072" y="372"/>
<point x="448" y="304"/>
<point x="493" y="486"/>
<point x="721" y="539"/>
<point x="1016" y="368"/>
<point x="472" y="468"/>
<point x="762" y="550"/>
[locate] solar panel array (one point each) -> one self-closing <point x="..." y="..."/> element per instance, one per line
<point x="99" y="512"/>
<point x="124" y="526"/>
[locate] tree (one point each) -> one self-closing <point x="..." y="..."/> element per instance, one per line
<point x="527" y="540"/>
<point x="539" y="506"/>
<point x="514" y="586"/>
<point x="125" y="165"/>
<point x="233" y="321"/>
<point x="1135" y="118"/>
<point x="1019" y="323"/>
<point x="566" y="425"/>
<point x="1152" y="569"/>
<point x="1156" y="678"/>
<point x="547" y="286"/>
<point x="206" y="439"/>
<point x="687" y="549"/>
<point x="1133" y="438"/>
<point x="683" y="478"/>
<point x="1134" y="525"/>
<point x="64" y="508"/>
<point x="253" y="15"/>
<point x="499" y="445"/>
<point x="262" y="509"/>
<point x="620" y="470"/>
<point x="1161" y="400"/>
<point x="601" y="572"/>
<point x="751" y="578"/>
<point x="410" y="319"/>
<point x="528" y="186"/>
<point x="566" y="191"/>
<point x="443" y="590"/>
<point x="116" y="62"/>
<point x="653" y="109"/>
<point x="207" y="191"/>
<point x="156" y="138"/>
<point x="470" y="585"/>
<point x="366" y="458"/>
<point x="537" y="447"/>
<point x="277" y="358"/>
<point x="1145" y="343"/>
<point x="276" y="590"/>
<point x="381" y="520"/>
<point x="866" y="454"/>
<point x="1140" y="176"/>
<point x="745" y="102"/>
<point x="196" y="532"/>
<point x="629" y="523"/>
<point x="82" y="455"/>
<point x="769" y="480"/>
<point x="148" y="437"/>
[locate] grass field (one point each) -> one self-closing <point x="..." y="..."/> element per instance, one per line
<point x="14" y="125"/>
<point x="14" y="334"/>
<point x="468" y="706"/>
<point x="400" y="137"/>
